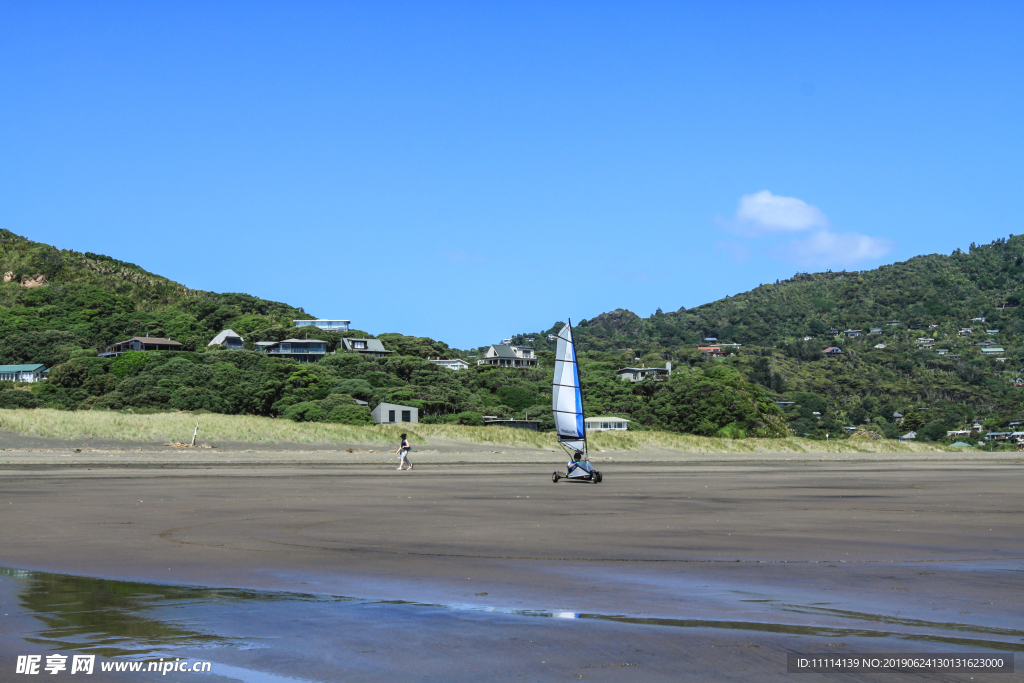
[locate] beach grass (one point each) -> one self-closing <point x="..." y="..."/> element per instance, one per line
<point x="177" y="427"/>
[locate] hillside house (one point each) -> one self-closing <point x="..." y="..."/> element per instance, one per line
<point x="710" y="340"/>
<point x="965" y="331"/>
<point x="386" y="413"/>
<point x="879" y="346"/>
<point x="640" y="374"/>
<point x="894" y="323"/>
<point x="852" y="333"/>
<point x="808" y="338"/>
<point x="909" y="436"/>
<point x="942" y="352"/>
<point x="876" y="330"/>
<point x="301" y="350"/>
<point x="552" y="337"/>
<point x="452" y="363"/>
<point x="991" y="331"/>
<point x="925" y="340"/>
<point x="832" y="351"/>
<point x="492" y="421"/>
<point x="23" y="373"/>
<point x="506" y="355"/>
<point x="141" y="344"/>
<point x="977" y="320"/>
<point x="993" y="351"/>
<point x="959" y="432"/>
<point x="833" y="332"/>
<point x="712" y="351"/>
<point x="230" y="339"/>
<point x="605" y="424"/>
<point x="507" y="342"/>
<point x="325" y="325"/>
<point x="932" y="326"/>
<point x="370" y="347"/>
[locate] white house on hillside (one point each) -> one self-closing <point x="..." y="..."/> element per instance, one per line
<point x="509" y="356"/>
<point x="228" y="338"/>
<point x="23" y="373"/>
<point x="452" y="363"/>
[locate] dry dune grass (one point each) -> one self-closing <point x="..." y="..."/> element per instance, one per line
<point x="178" y="427"/>
<point x="162" y="427"/>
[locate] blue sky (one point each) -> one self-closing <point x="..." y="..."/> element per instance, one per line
<point x="467" y="171"/>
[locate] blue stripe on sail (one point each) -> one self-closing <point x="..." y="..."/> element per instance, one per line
<point x="579" y="416"/>
<point x="579" y="396"/>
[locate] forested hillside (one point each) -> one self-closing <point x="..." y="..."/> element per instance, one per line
<point x="60" y="307"/>
<point x="931" y="297"/>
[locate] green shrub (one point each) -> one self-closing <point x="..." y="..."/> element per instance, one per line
<point x="470" y="418"/>
<point x="129" y="363"/>
<point x="307" y="411"/>
<point x="13" y="398"/>
<point x="353" y="414"/>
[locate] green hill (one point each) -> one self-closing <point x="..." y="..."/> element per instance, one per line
<point x="931" y="297"/>
<point x="93" y="300"/>
<point x="59" y="307"/>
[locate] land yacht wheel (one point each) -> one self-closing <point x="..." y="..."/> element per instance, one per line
<point x="555" y="477"/>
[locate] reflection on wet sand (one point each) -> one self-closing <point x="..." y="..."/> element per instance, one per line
<point x="104" y="617"/>
<point x="122" y="618"/>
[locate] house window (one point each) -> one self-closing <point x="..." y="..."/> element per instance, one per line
<point x="359" y="345"/>
<point x="391" y="416"/>
<point x="406" y="416"/>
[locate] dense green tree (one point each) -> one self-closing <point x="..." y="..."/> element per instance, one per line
<point x="716" y="402"/>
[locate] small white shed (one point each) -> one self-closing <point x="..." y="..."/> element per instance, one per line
<point x="387" y="413"/>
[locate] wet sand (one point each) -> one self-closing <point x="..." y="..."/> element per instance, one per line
<point x="704" y="568"/>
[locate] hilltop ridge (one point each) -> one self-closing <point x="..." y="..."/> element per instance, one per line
<point x="987" y="281"/>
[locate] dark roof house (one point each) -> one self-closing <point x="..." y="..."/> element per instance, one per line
<point x="639" y="374"/>
<point x="142" y="344"/>
<point x="370" y="347"/>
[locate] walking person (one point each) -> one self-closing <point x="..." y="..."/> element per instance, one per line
<point x="403" y="453"/>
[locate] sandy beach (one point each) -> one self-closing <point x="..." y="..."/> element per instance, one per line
<point x="709" y="565"/>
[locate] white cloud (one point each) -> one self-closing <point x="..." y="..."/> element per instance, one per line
<point x="826" y="249"/>
<point x="764" y="212"/>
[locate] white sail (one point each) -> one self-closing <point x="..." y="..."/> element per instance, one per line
<point x="566" y="400"/>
